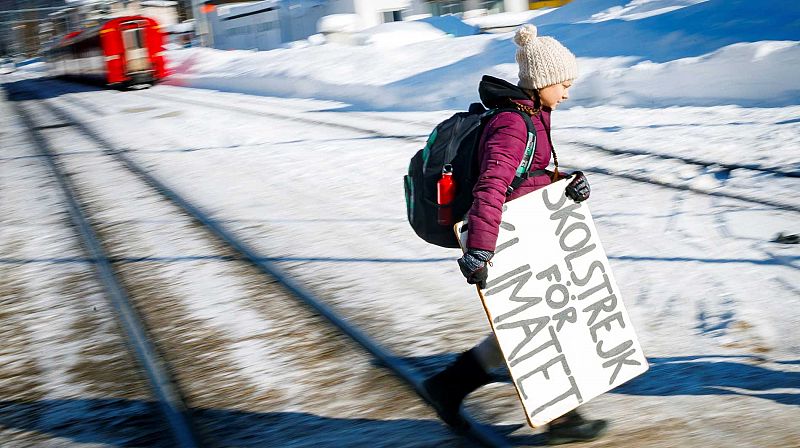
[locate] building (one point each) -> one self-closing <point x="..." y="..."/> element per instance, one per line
<point x="28" y="26"/>
<point x="25" y="25"/>
<point x="442" y="7"/>
<point x="374" y="12"/>
<point x="267" y="24"/>
<point x="263" y="25"/>
<point x="253" y="25"/>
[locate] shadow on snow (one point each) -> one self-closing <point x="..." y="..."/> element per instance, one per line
<point x="193" y="258"/>
<point x="121" y="422"/>
<point x="44" y="88"/>
<point x="683" y="375"/>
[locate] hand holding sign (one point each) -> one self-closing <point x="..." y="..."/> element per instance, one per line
<point x="474" y="266"/>
<point x="554" y="306"/>
<point x="578" y="189"/>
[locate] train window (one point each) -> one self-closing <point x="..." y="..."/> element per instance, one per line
<point x="134" y="38"/>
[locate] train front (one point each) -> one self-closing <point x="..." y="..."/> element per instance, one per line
<point x="134" y="50"/>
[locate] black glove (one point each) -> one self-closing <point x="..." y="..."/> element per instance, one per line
<point x="578" y="189"/>
<point x="474" y="266"/>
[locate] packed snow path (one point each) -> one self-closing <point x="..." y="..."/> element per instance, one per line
<point x="714" y="302"/>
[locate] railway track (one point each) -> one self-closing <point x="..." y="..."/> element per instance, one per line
<point x="65" y="370"/>
<point x="598" y="155"/>
<point x="423" y="127"/>
<point x="163" y="385"/>
<point x="174" y="349"/>
<point x="692" y="161"/>
<point x="139" y="153"/>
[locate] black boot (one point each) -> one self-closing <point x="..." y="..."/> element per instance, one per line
<point x="448" y="388"/>
<point x="571" y="427"/>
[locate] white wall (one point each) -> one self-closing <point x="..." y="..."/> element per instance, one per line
<point x="243" y="27"/>
<point x="516" y="5"/>
<point x="371" y="11"/>
<point x="299" y="18"/>
<point x="341" y="7"/>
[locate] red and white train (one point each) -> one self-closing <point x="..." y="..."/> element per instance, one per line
<point x="120" y="52"/>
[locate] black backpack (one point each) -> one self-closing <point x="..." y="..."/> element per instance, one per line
<point x="453" y="146"/>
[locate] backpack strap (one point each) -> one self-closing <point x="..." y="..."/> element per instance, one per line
<point x="530" y="146"/>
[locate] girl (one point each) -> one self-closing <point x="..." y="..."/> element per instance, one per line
<point x="546" y="72"/>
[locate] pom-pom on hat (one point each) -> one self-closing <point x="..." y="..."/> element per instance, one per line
<point x="543" y="61"/>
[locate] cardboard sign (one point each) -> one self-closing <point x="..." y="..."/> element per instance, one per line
<point x="554" y="306"/>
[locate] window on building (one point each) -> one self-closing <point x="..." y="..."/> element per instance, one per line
<point x="442" y="7"/>
<point x="392" y="16"/>
<point x="493" y="6"/>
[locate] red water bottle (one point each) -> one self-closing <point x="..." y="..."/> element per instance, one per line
<point x="445" y="193"/>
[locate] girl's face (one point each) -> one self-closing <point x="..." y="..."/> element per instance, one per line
<point x="552" y="95"/>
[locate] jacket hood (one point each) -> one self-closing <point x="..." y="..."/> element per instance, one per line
<point x="495" y="92"/>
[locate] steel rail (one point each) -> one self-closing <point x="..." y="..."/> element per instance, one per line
<point x="633" y="152"/>
<point x="632" y="177"/>
<point x="478" y="432"/>
<point x="643" y="179"/>
<point x="285" y="117"/>
<point x="688" y="160"/>
<point x="165" y="388"/>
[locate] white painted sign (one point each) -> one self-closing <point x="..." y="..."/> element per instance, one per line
<point x="555" y="307"/>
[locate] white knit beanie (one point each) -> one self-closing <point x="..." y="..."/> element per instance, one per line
<point x="543" y="61"/>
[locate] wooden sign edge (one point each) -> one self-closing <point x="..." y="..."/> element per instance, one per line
<point x="456" y="228"/>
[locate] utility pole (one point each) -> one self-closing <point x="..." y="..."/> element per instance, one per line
<point x="202" y="26"/>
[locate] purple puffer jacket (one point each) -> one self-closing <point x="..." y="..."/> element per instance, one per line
<point x="501" y="149"/>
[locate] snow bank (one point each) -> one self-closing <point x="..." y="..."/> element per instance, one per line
<point x="398" y="34"/>
<point x="641" y="9"/>
<point x="589" y="11"/>
<point x="425" y="75"/>
<point x="511" y="19"/>
<point x="339" y="23"/>
<point x="714" y="52"/>
<point x="748" y="74"/>
<point x="451" y="25"/>
<point x="692" y="30"/>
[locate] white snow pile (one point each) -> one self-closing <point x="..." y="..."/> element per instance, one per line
<point x="588" y="11"/>
<point x="339" y="23"/>
<point x="400" y="34"/>
<point x="451" y="25"/>
<point x="510" y="19"/>
<point x="348" y="29"/>
<point x="641" y="9"/>
<point x="648" y="53"/>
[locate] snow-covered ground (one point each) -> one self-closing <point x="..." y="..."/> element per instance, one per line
<point x="715" y="303"/>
